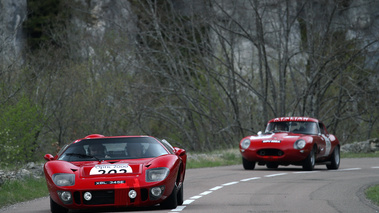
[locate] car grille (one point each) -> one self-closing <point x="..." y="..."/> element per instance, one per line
<point x="106" y="197"/>
<point x="270" y="152"/>
<point x="98" y="197"/>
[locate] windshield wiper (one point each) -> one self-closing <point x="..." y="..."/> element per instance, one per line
<point x="83" y="156"/>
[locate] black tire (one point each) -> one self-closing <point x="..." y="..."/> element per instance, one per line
<point x="172" y="201"/>
<point x="56" y="208"/>
<point x="248" y="165"/>
<point x="310" y="161"/>
<point x="334" y="159"/>
<point x="272" y="165"/>
<point x="180" y="195"/>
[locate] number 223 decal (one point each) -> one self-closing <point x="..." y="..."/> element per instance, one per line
<point x="111" y="169"/>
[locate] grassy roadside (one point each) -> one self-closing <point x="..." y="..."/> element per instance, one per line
<point x="12" y="192"/>
<point x="372" y="193"/>
<point x="19" y="191"/>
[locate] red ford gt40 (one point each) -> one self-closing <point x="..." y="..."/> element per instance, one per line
<point x="117" y="171"/>
<point x="291" y="140"/>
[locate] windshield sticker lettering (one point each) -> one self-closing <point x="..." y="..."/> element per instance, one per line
<point x="111" y="169"/>
<point x="291" y="119"/>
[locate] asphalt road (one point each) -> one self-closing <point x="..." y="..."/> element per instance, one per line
<point x="286" y="189"/>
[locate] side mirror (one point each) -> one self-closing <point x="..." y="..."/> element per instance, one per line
<point x="48" y="157"/>
<point x="179" y="152"/>
<point x="259" y="133"/>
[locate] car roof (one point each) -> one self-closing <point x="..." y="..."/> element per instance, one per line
<point x="285" y="119"/>
<point x="96" y="136"/>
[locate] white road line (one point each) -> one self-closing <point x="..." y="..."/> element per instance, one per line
<point x="216" y="188"/>
<point x="253" y="178"/>
<point x="205" y="193"/>
<point x="350" y="169"/>
<point x="193" y="198"/>
<point x="186" y="202"/>
<point x="230" y="183"/>
<point x="178" y="208"/>
<point x="273" y="175"/>
<point x="305" y="172"/>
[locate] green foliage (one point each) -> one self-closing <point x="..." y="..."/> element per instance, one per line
<point x="214" y="159"/>
<point x="20" y="125"/>
<point x="360" y="155"/>
<point x="12" y="192"/>
<point x="372" y="194"/>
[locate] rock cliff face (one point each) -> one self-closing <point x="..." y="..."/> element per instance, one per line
<point x="12" y="39"/>
<point x="358" y="18"/>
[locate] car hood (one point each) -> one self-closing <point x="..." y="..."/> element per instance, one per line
<point x="276" y="137"/>
<point x="111" y="168"/>
<point x="96" y="168"/>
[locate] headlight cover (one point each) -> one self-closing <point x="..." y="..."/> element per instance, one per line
<point x="299" y="144"/>
<point x="156" y="174"/>
<point x="245" y="144"/>
<point x="64" y="179"/>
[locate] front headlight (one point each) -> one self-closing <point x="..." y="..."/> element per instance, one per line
<point x="156" y="174"/>
<point x="299" y="144"/>
<point x="245" y="144"/>
<point x="64" y="179"/>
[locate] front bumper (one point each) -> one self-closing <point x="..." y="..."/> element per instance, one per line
<point x="117" y="195"/>
<point x="274" y="154"/>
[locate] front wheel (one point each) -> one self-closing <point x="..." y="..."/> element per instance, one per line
<point x="334" y="159"/>
<point x="180" y="195"/>
<point x="248" y="165"/>
<point x="172" y="201"/>
<point x="310" y="161"/>
<point x="56" y="208"/>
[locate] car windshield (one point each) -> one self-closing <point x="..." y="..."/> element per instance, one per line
<point x="113" y="149"/>
<point x="299" y="127"/>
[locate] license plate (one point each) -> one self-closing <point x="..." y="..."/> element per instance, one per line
<point x="109" y="182"/>
<point x="271" y="141"/>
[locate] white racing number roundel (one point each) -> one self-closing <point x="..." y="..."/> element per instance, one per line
<point x="110" y="169"/>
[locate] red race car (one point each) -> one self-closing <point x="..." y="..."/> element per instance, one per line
<point x="116" y="171"/>
<point x="299" y="141"/>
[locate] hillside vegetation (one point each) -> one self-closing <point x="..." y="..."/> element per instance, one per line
<point x="201" y="74"/>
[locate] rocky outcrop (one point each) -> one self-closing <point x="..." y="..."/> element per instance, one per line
<point x="29" y="170"/>
<point x="12" y="39"/>
<point x="371" y="145"/>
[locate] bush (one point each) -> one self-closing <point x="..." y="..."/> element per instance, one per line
<point x="20" y="124"/>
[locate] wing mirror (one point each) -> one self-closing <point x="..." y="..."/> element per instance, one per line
<point x="179" y="152"/>
<point x="48" y="157"/>
<point x="259" y="133"/>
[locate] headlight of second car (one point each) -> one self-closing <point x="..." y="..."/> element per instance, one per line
<point x="156" y="174"/>
<point x="245" y="144"/>
<point x="64" y="179"/>
<point x="299" y="144"/>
